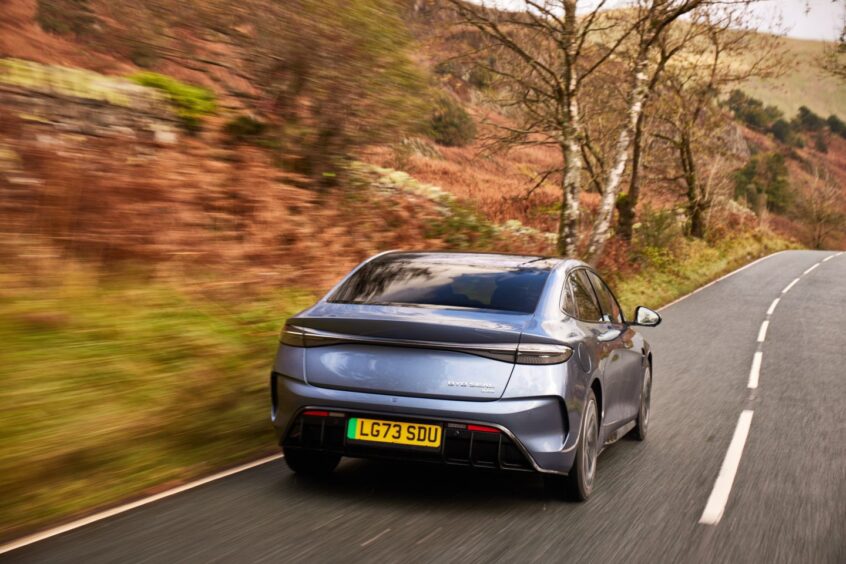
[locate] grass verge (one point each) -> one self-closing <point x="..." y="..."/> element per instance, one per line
<point x="693" y="263"/>
<point x="112" y="389"/>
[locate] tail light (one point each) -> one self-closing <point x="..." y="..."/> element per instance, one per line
<point x="543" y="354"/>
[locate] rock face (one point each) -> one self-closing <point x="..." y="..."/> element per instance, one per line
<point x="735" y="143"/>
<point x="77" y="101"/>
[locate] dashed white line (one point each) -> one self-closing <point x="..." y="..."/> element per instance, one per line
<point x="762" y="332"/>
<point x="725" y="479"/>
<point x="365" y="543"/>
<point x="828" y="258"/>
<point x="126" y="507"/>
<point x="810" y="269"/>
<point x="755" y="372"/>
<point x="773" y="306"/>
<point x="789" y="286"/>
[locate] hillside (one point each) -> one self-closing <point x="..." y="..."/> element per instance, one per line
<point x="804" y="84"/>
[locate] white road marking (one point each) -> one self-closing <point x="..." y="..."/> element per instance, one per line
<point x="773" y="306"/>
<point x="755" y="372"/>
<point x="365" y="543"/>
<point x="36" y="537"/>
<point x="762" y="332"/>
<point x="828" y="258"/>
<point x="810" y="269"/>
<point x="789" y="286"/>
<point x="725" y="479"/>
<point x="430" y="535"/>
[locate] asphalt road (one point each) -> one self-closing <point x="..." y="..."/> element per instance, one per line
<point x="787" y="501"/>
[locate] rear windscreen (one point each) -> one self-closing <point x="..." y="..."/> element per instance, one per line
<point x="390" y="280"/>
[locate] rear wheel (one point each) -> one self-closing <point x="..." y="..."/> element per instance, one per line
<point x="311" y="463"/>
<point x="642" y="425"/>
<point x="578" y="484"/>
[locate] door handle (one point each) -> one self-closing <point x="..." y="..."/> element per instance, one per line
<point x="609" y="335"/>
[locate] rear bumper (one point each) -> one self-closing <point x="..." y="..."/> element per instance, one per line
<point x="535" y="427"/>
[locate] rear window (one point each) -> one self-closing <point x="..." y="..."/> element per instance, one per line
<point x="415" y="281"/>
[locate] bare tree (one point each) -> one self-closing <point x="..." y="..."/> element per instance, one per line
<point x="729" y="51"/>
<point x="653" y="21"/>
<point x="669" y="43"/>
<point x="544" y="57"/>
<point x="821" y="207"/>
<point x="834" y="57"/>
<point x="537" y="52"/>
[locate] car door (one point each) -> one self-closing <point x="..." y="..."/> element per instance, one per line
<point x="589" y="315"/>
<point x="623" y="368"/>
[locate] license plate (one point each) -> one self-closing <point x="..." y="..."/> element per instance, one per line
<point x="395" y="432"/>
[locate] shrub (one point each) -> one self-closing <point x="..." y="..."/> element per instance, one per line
<point x="836" y="125"/>
<point x="764" y="182"/>
<point x="340" y="75"/>
<point x="461" y="228"/>
<point x="806" y="120"/>
<point x="191" y="102"/>
<point x="752" y="111"/>
<point x="243" y="128"/>
<point x="785" y="132"/>
<point x="480" y="77"/>
<point x="451" y="125"/>
<point x="657" y="229"/>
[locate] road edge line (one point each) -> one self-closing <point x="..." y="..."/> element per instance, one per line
<point x="721" y="278"/>
<point x="67" y="527"/>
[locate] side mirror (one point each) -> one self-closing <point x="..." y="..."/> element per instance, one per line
<point x="646" y="317"/>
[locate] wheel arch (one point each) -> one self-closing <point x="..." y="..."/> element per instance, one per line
<point x="596" y="386"/>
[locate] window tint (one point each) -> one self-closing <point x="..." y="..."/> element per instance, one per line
<point x="586" y="304"/>
<point x="610" y="310"/>
<point x="444" y="281"/>
<point x="567" y="303"/>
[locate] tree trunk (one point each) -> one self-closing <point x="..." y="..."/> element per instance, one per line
<point x="628" y="203"/>
<point x="602" y="224"/>
<point x="695" y="201"/>
<point x="568" y="225"/>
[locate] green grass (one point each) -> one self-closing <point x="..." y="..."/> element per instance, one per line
<point x="191" y="102"/>
<point x="112" y="389"/>
<point x="694" y="263"/>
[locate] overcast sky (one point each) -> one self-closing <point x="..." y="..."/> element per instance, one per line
<point x="808" y="19"/>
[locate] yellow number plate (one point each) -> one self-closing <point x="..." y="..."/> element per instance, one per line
<point x="414" y="434"/>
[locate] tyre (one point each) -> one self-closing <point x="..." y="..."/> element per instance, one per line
<point x="578" y="484"/>
<point x="311" y="463"/>
<point x="639" y="432"/>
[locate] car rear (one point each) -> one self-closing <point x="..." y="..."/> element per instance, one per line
<point x="410" y="358"/>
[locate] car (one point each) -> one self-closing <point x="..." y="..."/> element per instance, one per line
<point x="487" y="360"/>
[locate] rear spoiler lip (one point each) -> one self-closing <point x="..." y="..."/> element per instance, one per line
<point x="503" y="352"/>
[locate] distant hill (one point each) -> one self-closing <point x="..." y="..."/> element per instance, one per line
<point x="805" y="84"/>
